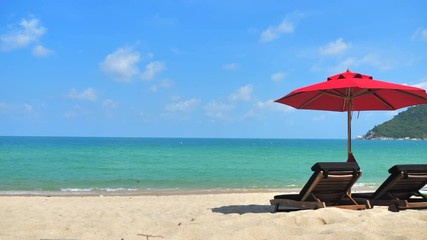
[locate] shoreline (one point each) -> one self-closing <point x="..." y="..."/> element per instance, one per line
<point x="162" y="192"/>
<point x="157" y="192"/>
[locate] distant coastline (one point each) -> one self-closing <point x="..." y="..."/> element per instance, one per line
<point x="389" y="138"/>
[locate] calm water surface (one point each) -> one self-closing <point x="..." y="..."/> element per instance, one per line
<point x="74" y="164"/>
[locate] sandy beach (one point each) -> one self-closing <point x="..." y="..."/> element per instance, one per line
<point x="199" y="216"/>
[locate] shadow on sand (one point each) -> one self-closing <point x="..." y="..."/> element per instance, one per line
<point x="242" y="209"/>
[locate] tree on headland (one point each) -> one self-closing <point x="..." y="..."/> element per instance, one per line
<point x="411" y="123"/>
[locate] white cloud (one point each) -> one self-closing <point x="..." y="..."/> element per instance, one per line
<point x="273" y="106"/>
<point x="163" y="84"/>
<point x="423" y="34"/>
<point x="41" y="51"/>
<point x="395" y="112"/>
<point x="320" y="117"/>
<point x="243" y="94"/>
<point x="87" y="94"/>
<point x="74" y="112"/>
<point x="421" y="85"/>
<point x="371" y="59"/>
<point x="70" y="114"/>
<point x="185" y="105"/>
<point x="274" y="32"/>
<point x="175" y="98"/>
<point x="278" y="77"/>
<point x="8" y="109"/>
<point x="335" y="48"/>
<point x="231" y="66"/>
<point x="218" y="110"/>
<point x="29" y="31"/>
<point x="152" y="69"/>
<point x="178" y="51"/>
<point x="376" y="61"/>
<point x="110" y="104"/>
<point x="121" y="65"/>
<point x="286" y="26"/>
<point x="28" y="108"/>
<point x="4" y="107"/>
<point x="420" y="34"/>
<point x="250" y="114"/>
<point x="349" y="62"/>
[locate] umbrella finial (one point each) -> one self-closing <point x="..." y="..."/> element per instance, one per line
<point x="349" y="70"/>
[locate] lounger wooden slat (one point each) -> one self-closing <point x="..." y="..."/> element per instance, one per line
<point x="327" y="187"/>
<point x="401" y="190"/>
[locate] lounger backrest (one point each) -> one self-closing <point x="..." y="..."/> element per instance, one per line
<point x="404" y="181"/>
<point x="330" y="181"/>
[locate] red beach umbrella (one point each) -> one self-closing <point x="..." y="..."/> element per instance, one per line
<point x="350" y="91"/>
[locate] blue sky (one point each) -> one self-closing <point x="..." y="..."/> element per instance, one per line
<point x="196" y="68"/>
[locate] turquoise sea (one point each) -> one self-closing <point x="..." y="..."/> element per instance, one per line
<point x="34" y="165"/>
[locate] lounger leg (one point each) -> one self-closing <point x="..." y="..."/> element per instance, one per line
<point x="393" y="208"/>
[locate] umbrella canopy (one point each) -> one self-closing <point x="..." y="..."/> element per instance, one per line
<point x="350" y="91"/>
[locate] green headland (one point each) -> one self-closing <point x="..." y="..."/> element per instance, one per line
<point x="410" y="124"/>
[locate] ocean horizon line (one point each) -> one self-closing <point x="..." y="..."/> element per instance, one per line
<point x="173" y="137"/>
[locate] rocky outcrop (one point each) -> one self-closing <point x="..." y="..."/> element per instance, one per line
<point x="372" y="136"/>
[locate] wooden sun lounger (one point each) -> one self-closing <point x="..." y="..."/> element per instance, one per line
<point x="401" y="190"/>
<point x="329" y="186"/>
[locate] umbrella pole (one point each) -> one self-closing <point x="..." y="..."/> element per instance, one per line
<point x="349" y="131"/>
<point x="349" y="101"/>
<point x="350" y="154"/>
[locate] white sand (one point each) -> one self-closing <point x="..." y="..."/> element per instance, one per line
<point x="209" y="216"/>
